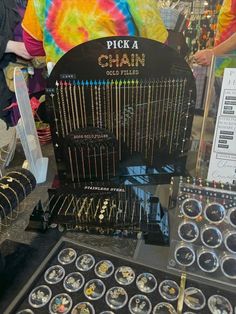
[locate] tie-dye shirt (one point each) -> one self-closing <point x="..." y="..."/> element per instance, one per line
<point x="63" y="24"/>
<point x="226" y="21"/>
<point x="226" y="27"/>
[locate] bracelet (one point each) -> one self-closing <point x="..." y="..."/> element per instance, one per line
<point x="47" y="202"/>
<point x="88" y="210"/>
<point x="4" y="215"/>
<point x="58" y="213"/>
<point x="103" y="210"/>
<point x="82" y="208"/>
<point x="54" y="205"/>
<point x="10" y="206"/>
<point x="24" y="176"/>
<point x="97" y="208"/>
<point x="113" y="205"/>
<point x="10" y="179"/>
<point x="68" y="207"/>
<point x="5" y="187"/>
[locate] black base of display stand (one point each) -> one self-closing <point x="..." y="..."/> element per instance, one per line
<point x="136" y="172"/>
<point x="146" y="216"/>
<point x="38" y="219"/>
<point x="156" y="237"/>
<point x="144" y="175"/>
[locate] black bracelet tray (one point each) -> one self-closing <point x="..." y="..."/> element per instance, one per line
<point x="21" y="300"/>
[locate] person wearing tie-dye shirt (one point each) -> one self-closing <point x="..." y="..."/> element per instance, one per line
<point x="53" y="27"/>
<point x="225" y="39"/>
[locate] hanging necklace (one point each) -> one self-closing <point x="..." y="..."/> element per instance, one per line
<point x="76" y="104"/>
<point x="60" y="109"/>
<point x="92" y="103"/>
<point x="54" y="113"/>
<point x="67" y="105"/>
<point x="72" y="106"/>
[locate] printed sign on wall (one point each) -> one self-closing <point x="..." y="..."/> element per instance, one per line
<point x="223" y="157"/>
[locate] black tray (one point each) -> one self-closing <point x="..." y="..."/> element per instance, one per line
<point x="21" y="300"/>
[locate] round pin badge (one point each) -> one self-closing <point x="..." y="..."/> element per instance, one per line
<point x="232" y="216"/>
<point x="184" y="255"/>
<point x="60" y="304"/>
<point x="230" y="241"/>
<point x="188" y="231"/>
<point x="54" y="274"/>
<point x="146" y="282"/>
<point x="40" y="296"/>
<point x="67" y="256"/>
<point x="164" y="308"/>
<point x="228" y="266"/>
<point x="211" y="236"/>
<point x="219" y="304"/>
<point x="83" y="308"/>
<point x="169" y="290"/>
<point x="73" y="282"/>
<point x="140" y="304"/>
<point x="85" y="262"/>
<point x="191" y="208"/>
<point x="194" y="298"/>
<point x="214" y="213"/>
<point x="116" y="298"/>
<point x="207" y="260"/>
<point x="125" y="275"/>
<point x="94" y="289"/>
<point x="104" y="269"/>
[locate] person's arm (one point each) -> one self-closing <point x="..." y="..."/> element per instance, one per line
<point x="204" y="57"/>
<point x="17" y="48"/>
<point x="226" y="26"/>
<point x="225" y="47"/>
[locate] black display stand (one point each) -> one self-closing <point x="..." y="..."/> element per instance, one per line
<point x="138" y="89"/>
<point x="130" y="211"/>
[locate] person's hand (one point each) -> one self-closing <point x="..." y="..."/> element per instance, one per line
<point x="204" y="57"/>
<point x="18" y="48"/>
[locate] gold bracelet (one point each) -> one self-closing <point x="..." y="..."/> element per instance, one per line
<point x="54" y="205"/>
<point x="79" y="214"/>
<point x="5" y="225"/>
<point x="68" y="207"/>
<point x="24" y="176"/>
<point x="5" y="187"/>
<point x="7" y="202"/>
<point x="59" y="211"/>
<point x="10" y="179"/>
